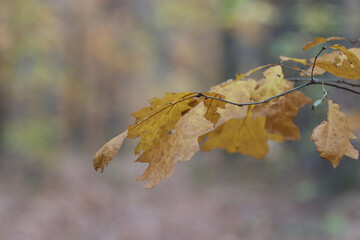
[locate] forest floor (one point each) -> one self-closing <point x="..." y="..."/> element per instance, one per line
<point x="202" y="200"/>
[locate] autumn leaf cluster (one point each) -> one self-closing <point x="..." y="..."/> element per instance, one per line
<point x="240" y="116"/>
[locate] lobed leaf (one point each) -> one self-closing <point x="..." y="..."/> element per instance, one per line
<point x="246" y="136"/>
<point x="280" y="116"/>
<point x="274" y="85"/>
<point x="181" y="145"/>
<point x="332" y="137"/>
<point x="156" y="121"/>
<point x="347" y="67"/>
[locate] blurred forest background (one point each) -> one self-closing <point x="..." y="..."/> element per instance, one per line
<point x="71" y="72"/>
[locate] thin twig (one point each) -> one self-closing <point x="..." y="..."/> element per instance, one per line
<point x="342" y="81"/>
<point x="260" y="102"/>
<point x="339" y="81"/>
<point x="298" y="79"/>
<point x="313" y="66"/>
<point x="279" y="95"/>
<point x="337" y="86"/>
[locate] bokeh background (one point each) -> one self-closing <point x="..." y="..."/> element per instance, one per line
<point x="71" y="72"/>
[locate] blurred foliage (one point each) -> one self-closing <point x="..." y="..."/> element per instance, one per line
<point x="32" y="139"/>
<point x="319" y="18"/>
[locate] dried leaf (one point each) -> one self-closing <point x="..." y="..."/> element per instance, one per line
<point x="348" y="67"/>
<point x="181" y="145"/>
<point x="108" y="151"/>
<point x="238" y="92"/>
<point x="274" y="85"/>
<point x="246" y="136"/>
<point x="154" y="122"/>
<point x="320" y="40"/>
<point x="212" y="107"/>
<point x="280" y="116"/>
<point x="327" y="57"/>
<point x="332" y="137"/>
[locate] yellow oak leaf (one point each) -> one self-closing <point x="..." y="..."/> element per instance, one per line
<point x="156" y="121"/>
<point x="245" y="136"/>
<point x="327" y="57"/>
<point x="274" y="84"/>
<point x="280" y="116"/>
<point x="332" y="137"/>
<point x="108" y="151"/>
<point x="320" y="40"/>
<point x="345" y="67"/>
<point x="158" y="103"/>
<point x="181" y="145"/>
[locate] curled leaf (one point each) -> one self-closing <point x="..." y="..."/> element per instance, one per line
<point x="108" y="151"/>
<point x="319" y="101"/>
<point x="298" y="60"/>
<point x="320" y="40"/>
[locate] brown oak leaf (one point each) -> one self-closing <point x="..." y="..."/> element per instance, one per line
<point x="332" y="137"/>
